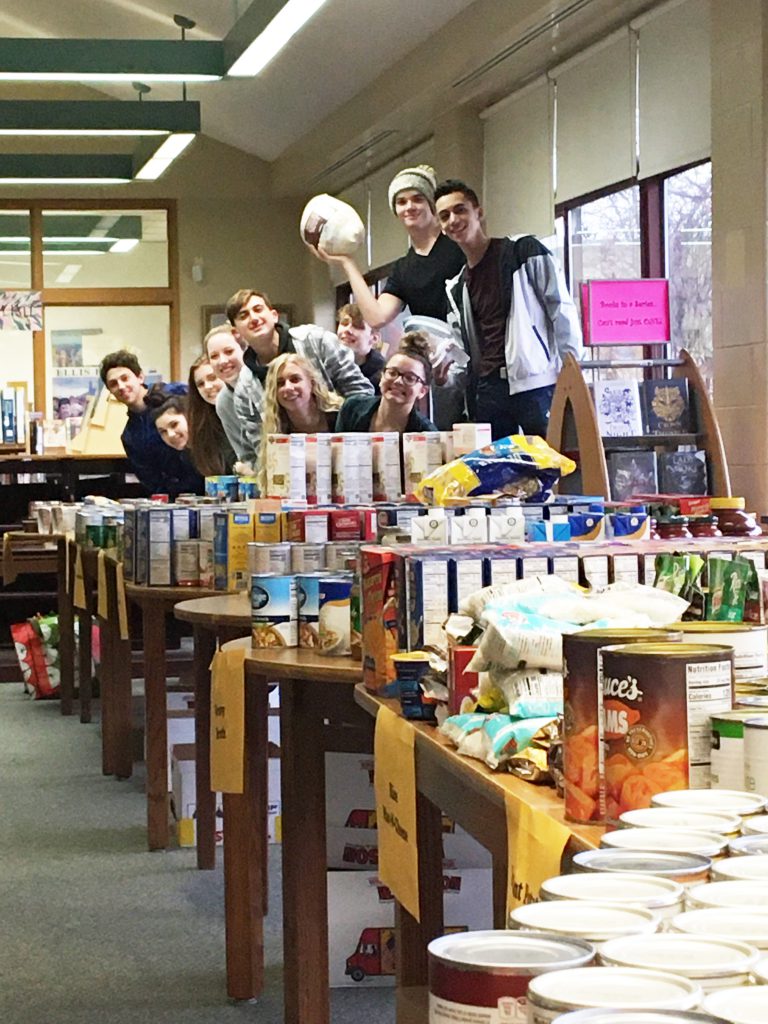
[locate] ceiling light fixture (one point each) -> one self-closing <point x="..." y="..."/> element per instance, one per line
<point x="124" y="245"/>
<point x="111" y="60"/>
<point x="163" y="156"/>
<point x="97" y="117"/>
<point x="64" y="169"/>
<point x="262" y="32"/>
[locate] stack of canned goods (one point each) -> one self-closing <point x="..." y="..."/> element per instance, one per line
<point x="308" y="609"/>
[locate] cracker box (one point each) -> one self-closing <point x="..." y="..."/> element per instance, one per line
<point x="466" y="574"/>
<point x="534" y="565"/>
<point x="504" y="568"/>
<point x="566" y="567"/>
<point x="427" y="601"/>
<point x="286" y="466"/>
<point x="364" y="444"/>
<point x="318" y="468"/>
<point x="468" y="437"/>
<point x="386" y="469"/>
<point x="422" y="453"/>
<point x="159" y="570"/>
<point x="594" y="570"/>
<point x="233" y="531"/>
<point x="344" y="524"/>
<point x="625" y="568"/>
<point x="382" y="574"/>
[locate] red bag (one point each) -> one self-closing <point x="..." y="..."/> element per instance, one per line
<point x="30" y="651"/>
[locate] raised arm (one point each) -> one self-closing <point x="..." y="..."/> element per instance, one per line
<point x="376" y="312"/>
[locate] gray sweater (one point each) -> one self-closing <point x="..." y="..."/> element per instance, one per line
<point x="231" y="422"/>
<point x="333" y="361"/>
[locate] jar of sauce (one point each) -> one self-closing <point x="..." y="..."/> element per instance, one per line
<point x="673" y="528"/>
<point x="732" y="520"/>
<point x="704" y="526"/>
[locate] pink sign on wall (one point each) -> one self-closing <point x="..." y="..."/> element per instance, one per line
<point x="626" y="312"/>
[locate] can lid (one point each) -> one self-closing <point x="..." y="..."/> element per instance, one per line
<point x="708" y="844"/>
<point x="623" y="887"/>
<point x="509" y="951"/>
<point x="587" y="919"/>
<point x="731" y="800"/>
<point x="748" y="844"/>
<point x="693" y="956"/>
<point x="651" y="862"/>
<point x="599" y="1016"/>
<point x="727" y="503"/>
<point x="742" y="893"/>
<point x="666" y="817"/>
<point x="748" y="924"/>
<point x="736" y="868"/>
<point x="757" y="825"/>
<point x="683" y="651"/>
<point x="718" y="627"/>
<point x="619" y="987"/>
<point x="744" y="1005"/>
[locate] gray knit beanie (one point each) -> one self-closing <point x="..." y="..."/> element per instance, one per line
<point x="421" y="179"/>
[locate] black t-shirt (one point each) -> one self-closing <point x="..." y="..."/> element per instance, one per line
<point x="372" y="367"/>
<point x="419" y="281"/>
<point x="490" y="307"/>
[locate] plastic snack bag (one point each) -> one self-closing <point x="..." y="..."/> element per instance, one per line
<point x="520" y="466"/>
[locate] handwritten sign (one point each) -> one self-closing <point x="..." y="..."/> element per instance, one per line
<point x="228" y="721"/>
<point x="395" y="782"/>
<point x="626" y="312"/>
<point x="78" y="597"/>
<point x="122" y="609"/>
<point x="535" y="844"/>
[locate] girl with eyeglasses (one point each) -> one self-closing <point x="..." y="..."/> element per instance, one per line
<point x="404" y="380"/>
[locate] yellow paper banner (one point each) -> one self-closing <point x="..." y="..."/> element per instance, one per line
<point x="535" y="844"/>
<point x="101" y="587"/>
<point x="78" y="598"/>
<point x="227" y="720"/>
<point x="122" y="611"/>
<point x="395" y="780"/>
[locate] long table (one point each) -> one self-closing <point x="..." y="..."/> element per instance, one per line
<point x="475" y="797"/>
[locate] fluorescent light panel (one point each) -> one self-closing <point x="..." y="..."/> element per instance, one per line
<point x="63" y="181"/>
<point x="293" y="15"/>
<point x="81" y="132"/>
<point x="164" y="156"/>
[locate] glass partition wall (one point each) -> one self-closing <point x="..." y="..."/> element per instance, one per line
<point x="108" y="279"/>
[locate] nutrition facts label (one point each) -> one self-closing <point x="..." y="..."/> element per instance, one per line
<point x="709" y="691"/>
<point x="510" y="1010"/>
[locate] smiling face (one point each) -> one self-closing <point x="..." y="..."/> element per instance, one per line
<point x="402" y="381"/>
<point x="207" y="383"/>
<point x="359" y="339"/>
<point x="255" y="322"/>
<point x="226" y="356"/>
<point x="172" y="427"/>
<point x="294" y="388"/>
<point x="413" y="209"/>
<point x="459" y="218"/>
<point x="127" y="386"/>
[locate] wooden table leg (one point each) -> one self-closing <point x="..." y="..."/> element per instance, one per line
<point x="66" y="630"/>
<point x="305" y="897"/>
<point x="85" y="662"/>
<point x="156" y="726"/>
<point x="106" y="692"/>
<point x="122" y="697"/>
<point x="245" y="864"/>
<point x="205" y="647"/>
<point x="412" y="935"/>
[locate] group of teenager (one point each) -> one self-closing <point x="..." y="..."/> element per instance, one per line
<point x="504" y="298"/>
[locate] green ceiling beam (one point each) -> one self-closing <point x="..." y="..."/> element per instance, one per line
<point x="82" y="60"/>
<point x="36" y="168"/>
<point x="98" y="116"/>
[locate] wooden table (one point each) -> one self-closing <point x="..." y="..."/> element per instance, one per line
<point x="214" y="620"/>
<point x="317" y="714"/>
<point x="473" y="796"/>
<point x="156" y="603"/>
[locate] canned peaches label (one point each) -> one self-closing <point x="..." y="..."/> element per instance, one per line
<point x="656" y="717"/>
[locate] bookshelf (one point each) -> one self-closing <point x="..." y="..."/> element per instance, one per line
<point x="574" y="430"/>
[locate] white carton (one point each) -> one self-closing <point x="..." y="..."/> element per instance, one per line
<point x="364" y="443"/>
<point x="469" y="577"/>
<point x="431" y="528"/>
<point x="468" y="437"/>
<point x="506" y="526"/>
<point x="286" y="466"/>
<point x="361" y="921"/>
<point x="387" y="483"/>
<point x="318" y="468"/>
<point x="471" y="528"/>
<point x="421" y="454"/>
<point x="446" y="442"/>
<point x="345" y="480"/>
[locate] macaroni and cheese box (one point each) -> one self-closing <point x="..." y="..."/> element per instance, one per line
<point x="233" y="531"/>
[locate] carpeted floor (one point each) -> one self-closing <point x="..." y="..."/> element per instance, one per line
<point x="95" y="929"/>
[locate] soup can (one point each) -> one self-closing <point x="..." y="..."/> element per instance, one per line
<point x="306" y="558"/>
<point x="746" y="924"/>
<point x="755" y="702"/>
<point x="308" y="604"/>
<point x="745" y="1005"/>
<point x="337" y="553"/>
<point x="685" y="868"/>
<point x="728" y="894"/>
<point x="334" y="620"/>
<point x="749" y="845"/>
<point x="620" y="988"/>
<point x="757" y="825"/>
<point x="269" y="558"/>
<point x="735" y="868"/>
<point x="589" y="920"/>
<point x="273" y="611"/>
<point x="727" y="769"/>
<point x="657" y="703"/>
<point x="476" y="977"/>
<point x="667" y="817"/>
<point x="583" y="762"/>
<point x="749" y="643"/>
<point x="756" y="754"/>
<point x="732" y="801"/>
<point x="660" y="895"/>
<point x="714" y="962"/>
